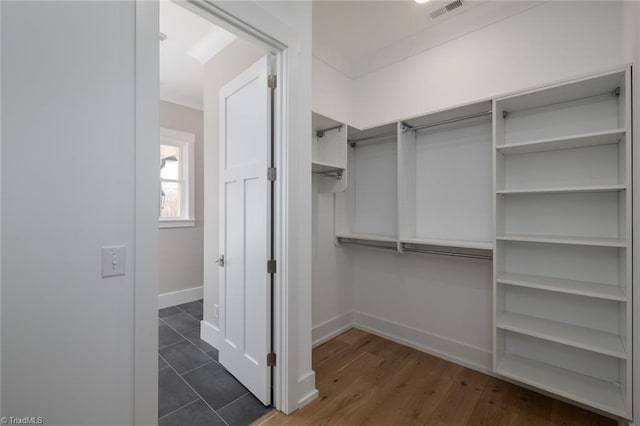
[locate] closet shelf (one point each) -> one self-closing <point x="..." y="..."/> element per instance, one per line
<point x="567" y="142"/>
<point x="368" y="237"/>
<point x="588" y="390"/>
<point x="554" y="239"/>
<point x="318" y="167"/>
<point x="478" y="245"/>
<point x="587" y="87"/>
<point x="566" y="334"/>
<point x="563" y="190"/>
<point x="580" y="288"/>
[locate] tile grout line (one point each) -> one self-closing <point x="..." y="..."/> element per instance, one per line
<point x="235" y="400"/>
<point x="172" y="344"/>
<point x="206" y="354"/>
<point x="200" y="366"/>
<point x="196" y="346"/>
<point x="180" y="408"/>
<point x="195" y="391"/>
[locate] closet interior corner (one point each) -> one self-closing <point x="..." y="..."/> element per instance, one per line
<point x="537" y="183"/>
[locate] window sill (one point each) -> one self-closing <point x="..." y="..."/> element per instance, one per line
<point x="177" y="223"/>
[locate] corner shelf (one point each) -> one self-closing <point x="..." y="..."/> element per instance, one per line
<point x="587" y="390"/>
<point x="567" y="142"/>
<point x="552" y="239"/>
<point x="580" y="288"/>
<point x="566" y="334"/>
<point x="563" y="190"/>
<point x="317" y="167"/>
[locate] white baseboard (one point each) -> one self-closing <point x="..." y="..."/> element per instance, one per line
<point x="179" y="297"/>
<point x="458" y="352"/>
<point x="210" y="334"/>
<point x="307" y="387"/>
<point x="329" y="329"/>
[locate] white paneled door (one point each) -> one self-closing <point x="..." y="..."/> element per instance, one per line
<point x="245" y="228"/>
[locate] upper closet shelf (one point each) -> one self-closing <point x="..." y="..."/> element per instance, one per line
<point x="554" y="239"/>
<point x="563" y="190"/>
<point x="566" y="142"/>
<point x="591" y="86"/>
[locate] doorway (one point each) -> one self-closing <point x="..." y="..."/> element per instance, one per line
<point x="212" y="72"/>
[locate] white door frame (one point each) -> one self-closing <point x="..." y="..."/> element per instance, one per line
<point x="272" y="35"/>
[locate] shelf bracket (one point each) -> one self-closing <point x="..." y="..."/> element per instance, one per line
<point x="505" y="114"/>
<point x="616" y="91"/>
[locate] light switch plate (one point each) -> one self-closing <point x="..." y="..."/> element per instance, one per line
<point x="113" y="261"/>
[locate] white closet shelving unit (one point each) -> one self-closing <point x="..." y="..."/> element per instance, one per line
<point x="445" y="181"/>
<point x="367" y="209"/>
<point x="329" y="153"/>
<point x="562" y="263"/>
<point x="543" y="188"/>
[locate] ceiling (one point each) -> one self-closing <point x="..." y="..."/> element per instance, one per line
<point x="354" y="37"/>
<point x="357" y="37"/>
<point x="181" y="75"/>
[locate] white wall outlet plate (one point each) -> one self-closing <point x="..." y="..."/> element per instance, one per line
<point x="113" y="261"/>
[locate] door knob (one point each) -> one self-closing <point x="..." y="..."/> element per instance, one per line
<point x="220" y="260"/>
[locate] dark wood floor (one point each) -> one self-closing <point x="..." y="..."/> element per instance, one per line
<point x="366" y="380"/>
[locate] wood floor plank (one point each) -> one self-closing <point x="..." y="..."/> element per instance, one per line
<point x="364" y="379"/>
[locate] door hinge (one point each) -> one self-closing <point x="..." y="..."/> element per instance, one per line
<point x="271" y="359"/>
<point x="271" y="266"/>
<point x="272" y="81"/>
<point x="271" y="174"/>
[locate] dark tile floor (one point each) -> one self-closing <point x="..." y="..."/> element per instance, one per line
<point x="194" y="389"/>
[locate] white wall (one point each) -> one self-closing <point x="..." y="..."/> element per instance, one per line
<point x="68" y="188"/>
<point x="553" y="41"/>
<point x="332" y="92"/>
<point x="180" y="250"/>
<point x="332" y="294"/>
<point x="227" y="64"/>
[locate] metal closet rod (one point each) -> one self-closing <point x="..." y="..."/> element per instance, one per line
<point x="449" y="253"/>
<point x="334" y="174"/>
<point x="353" y="142"/>
<point x="320" y="133"/>
<point x="407" y="128"/>
<point x="414" y="250"/>
<point x="353" y="243"/>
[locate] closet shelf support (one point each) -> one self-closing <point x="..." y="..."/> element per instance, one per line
<point x="320" y="133"/>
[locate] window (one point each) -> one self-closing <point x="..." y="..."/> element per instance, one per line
<point x="176" y="178"/>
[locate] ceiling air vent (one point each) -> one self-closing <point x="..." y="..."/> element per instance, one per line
<point x="448" y="8"/>
<point x="454" y="5"/>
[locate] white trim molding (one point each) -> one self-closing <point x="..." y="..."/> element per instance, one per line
<point x="179" y="297"/>
<point x="210" y="333"/>
<point x="461" y="353"/>
<point x="176" y="223"/>
<point x="307" y="387"/>
<point x="329" y="329"/>
<point x="145" y="268"/>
